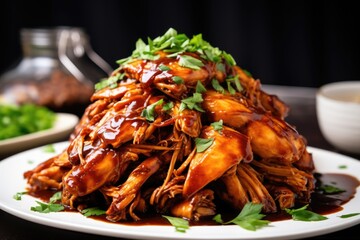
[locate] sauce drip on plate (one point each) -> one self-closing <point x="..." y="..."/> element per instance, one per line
<point x="321" y="202"/>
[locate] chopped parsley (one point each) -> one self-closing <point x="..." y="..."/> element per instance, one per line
<point x="330" y="189"/>
<point x="163" y="67"/>
<point x="203" y="143"/>
<point x="52" y="206"/>
<point x="94" y="211"/>
<point x="301" y="214"/>
<point x="18" y="195"/>
<point x="218" y="126"/>
<point x="176" y="44"/>
<point x="24" y="119"/>
<point x="216" y="85"/>
<point x="200" y="87"/>
<point x="168" y="106"/>
<point x="177" y="80"/>
<point x="149" y="111"/>
<point x="250" y="217"/>
<point x="192" y="102"/>
<point x="233" y="80"/>
<point x="190" y="62"/>
<point x="349" y="215"/>
<point x="49" y="148"/>
<point x="180" y="224"/>
<point x="110" y="82"/>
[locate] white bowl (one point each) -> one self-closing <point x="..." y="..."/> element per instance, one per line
<point x="338" y="113"/>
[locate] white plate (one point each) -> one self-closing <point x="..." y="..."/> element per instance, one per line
<point x="11" y="174"/>
<point x="63" y="126"/>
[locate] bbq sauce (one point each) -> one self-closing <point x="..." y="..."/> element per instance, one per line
<point x="321" y="202"/>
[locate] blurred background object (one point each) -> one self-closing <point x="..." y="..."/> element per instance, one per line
<point x="58" y="70"/>
<point x="297" y="43"/>
<point x="338" y="113"/>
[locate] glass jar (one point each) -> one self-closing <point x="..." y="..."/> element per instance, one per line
<point x="58" y="70"/>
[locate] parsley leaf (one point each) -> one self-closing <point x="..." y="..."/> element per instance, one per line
<point x="180" y="224"/>
<point x="49" y="148"/>
<point x="47" y="207"/>
<point x="18" y="195"/>
<point x="110" y="82"/>
<point x="94" y="211"/>
<point x="149" y="111"/>
<point x="331" y="189"/>
<point x="52" y="206"/>
<point x="177" y="80"/>
<point x="218" y="126"/>
<point x="192" y="102"/>
<point x="249" y="218"/>
<point x="220" y="67"/>
<point x="202" y="144"/>
<point x="200" y="87"/>
<point x="234" y="80"/>
<point x="349" y="215"/>
<point x="229" y="59"/>
<point x="56" y="197"/>
<point x="230" y="88"/>
<point x="216" y="85"/>
<point x="163" y="67"/>
<point x="190" y="62"/>
<point x="302" y="214"/>
<point x="168" y="106"/>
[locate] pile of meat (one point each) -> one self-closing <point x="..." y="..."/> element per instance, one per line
<point x="168" y="138"/>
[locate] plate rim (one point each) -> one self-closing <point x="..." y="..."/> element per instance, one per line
<point x="42" y="219"/>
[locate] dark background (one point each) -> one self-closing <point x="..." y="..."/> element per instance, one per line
<point x="298" y="43"/>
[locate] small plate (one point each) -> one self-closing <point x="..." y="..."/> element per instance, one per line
<point x="63" y="126"/>
<point x="13" y="168"/>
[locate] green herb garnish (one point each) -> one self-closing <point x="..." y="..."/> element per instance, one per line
<point x="200" y="87"/>
<point x="180" y="224"/>
<point x="192" y="102"/>
<point x="49" y="148"/>
<point x="52" y="206"/>
<point x="230" y="88"/>
<point x="177" y="80"/>
<point x="168" y="106"/>
<point x="233" y="80"/>
<point x="203" y="143"/>
<point x="94" y="211"/>
<point x="190" y="62"/>
<point x="349" y="215"/>
<point x="249" y="218"/>
<point x="331" y="189"/>
<point x="24" y="119"/>
<point x="110" y="82"/>
<point x="301" y="214"/>
<point x="18" y="195"/>
<point x="164" y="68"/>
<point x="218" y="126"/>
<point x="176" y="44"/>
<point x="216" y="85"/>
<point x="149" y="111"/>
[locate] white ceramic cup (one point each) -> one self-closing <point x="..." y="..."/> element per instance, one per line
<point x="338" y="113"/>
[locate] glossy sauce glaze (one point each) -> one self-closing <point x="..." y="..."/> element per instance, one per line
<point x="321" y="203"/>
